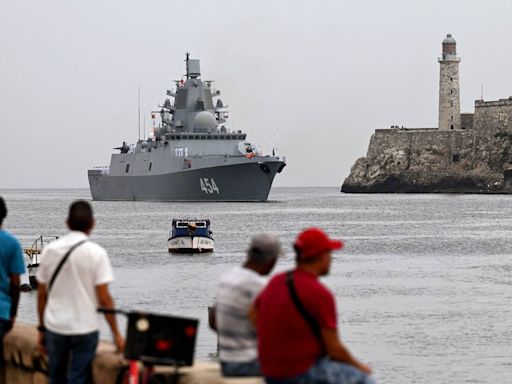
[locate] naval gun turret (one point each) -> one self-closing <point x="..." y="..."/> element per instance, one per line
<point x="125" y="148"/>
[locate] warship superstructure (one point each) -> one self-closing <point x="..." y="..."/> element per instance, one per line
<point x="191" y="156"/>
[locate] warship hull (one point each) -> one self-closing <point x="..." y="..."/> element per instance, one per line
<point x="190" y="155"/>
<point x="249" y="181"/>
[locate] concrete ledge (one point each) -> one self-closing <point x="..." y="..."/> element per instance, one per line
<point x="25" y="364"/>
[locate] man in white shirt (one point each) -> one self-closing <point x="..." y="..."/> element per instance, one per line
<point x="73" y="280"/>
<point x="237" y="290"/>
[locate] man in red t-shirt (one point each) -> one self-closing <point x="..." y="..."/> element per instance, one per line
<point x="295" y="316"/>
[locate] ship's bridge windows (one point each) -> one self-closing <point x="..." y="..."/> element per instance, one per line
<point x="127" y="168"/>
<point x="203" y="137"/>
<point x="150" y="166"/>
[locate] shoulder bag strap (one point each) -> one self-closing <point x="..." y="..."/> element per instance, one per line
<point x="313" y="324"/>
<point x="63" y="260"/>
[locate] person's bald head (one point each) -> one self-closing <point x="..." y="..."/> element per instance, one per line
<point x="264" y="248"/>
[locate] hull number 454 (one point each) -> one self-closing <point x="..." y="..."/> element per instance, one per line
<point x="208" y="185"/>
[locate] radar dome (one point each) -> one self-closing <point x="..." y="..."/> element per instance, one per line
<point x="205" y="120"/>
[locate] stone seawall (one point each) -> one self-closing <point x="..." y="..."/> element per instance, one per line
<point x="473" y="160"/>
<point x="26" y="365"/>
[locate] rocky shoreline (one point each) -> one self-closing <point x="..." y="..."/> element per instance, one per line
<point x="477" y="159"/>
<point x="416" y="182"/>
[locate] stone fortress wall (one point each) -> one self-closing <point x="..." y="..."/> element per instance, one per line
<point x="475" y="155"/>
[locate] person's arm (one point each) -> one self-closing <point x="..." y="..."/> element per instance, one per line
<point x="337" y="351"/>
<point x="253" y="315"/>
<point x="105" y="301"/>
<point x="41" y="305"/>
<point x="14" y="292"/>
<point x="41" y="302"/>
<point x="212" y="317"/>
<point x="15" y="269"/>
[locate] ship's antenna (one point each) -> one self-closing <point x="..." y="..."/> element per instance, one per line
<point x="482" y="93"/>
<point x="139" y="111"/>
<point x="187" y="54"/>
<point x="277" y="139"/>
<point x="144" y="121"/>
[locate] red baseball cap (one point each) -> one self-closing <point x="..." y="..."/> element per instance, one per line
<point x="313" y="242"/>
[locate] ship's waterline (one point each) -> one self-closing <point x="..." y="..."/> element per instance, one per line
<point x="249" y="181"/>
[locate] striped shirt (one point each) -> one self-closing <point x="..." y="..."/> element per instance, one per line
<point x="237" y="337"/>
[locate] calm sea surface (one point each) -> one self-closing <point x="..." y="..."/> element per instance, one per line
<point x="423" y="285"/>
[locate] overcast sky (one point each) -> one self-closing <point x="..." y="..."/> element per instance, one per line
<point x="316" y="76"/>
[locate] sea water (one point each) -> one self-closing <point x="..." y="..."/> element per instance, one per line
<point x="423" y="285"/>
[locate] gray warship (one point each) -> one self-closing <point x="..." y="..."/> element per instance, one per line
<point x="191" y="156"/>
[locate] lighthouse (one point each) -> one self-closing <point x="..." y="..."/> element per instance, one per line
<point x="449" y="90"/>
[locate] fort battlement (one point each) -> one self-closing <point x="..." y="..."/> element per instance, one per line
<point x="405" y="130"/>
<point x="494" y="103"/>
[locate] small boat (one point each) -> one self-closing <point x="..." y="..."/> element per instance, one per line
<point x="190" y="236"/>
<point x="32" y="255"/>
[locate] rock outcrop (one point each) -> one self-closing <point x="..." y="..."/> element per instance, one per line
<point x="473" y="160"/>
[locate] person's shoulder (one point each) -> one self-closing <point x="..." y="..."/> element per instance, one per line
<point x="54" y="244"/>
<point x="9" y="238"/>
<point x="275" y="280"/>
<point x="274" y="286"/>
<point x="230" y="273"/>
<point x="94" y="246"/>
<point x="313" y="284"/>
<point x="10" y="243"/>
<point x="325" y="289"/>
<point x="95" y="249"/>
<point x="278" y="276"/>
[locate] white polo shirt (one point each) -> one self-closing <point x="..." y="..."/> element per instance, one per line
<point x="237" y="337"/>
<point x="72" y="302"/>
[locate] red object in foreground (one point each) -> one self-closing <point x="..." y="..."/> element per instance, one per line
<point x="287" y="346"/>
<point x="163" y="345"/>
<point x="190" y="331"/>
<point x="134" y="372"/>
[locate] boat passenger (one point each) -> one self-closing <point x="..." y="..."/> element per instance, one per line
<point x="296" y="322"/>
<point x="236" y="292"/>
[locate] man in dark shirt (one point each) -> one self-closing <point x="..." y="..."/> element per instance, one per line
<point x="295" y="316"/>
